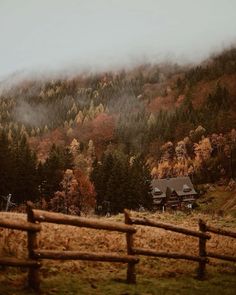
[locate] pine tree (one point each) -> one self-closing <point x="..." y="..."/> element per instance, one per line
<point x="121" y="185"/>
<point x="141" y="183"/>
<point x="25" y="185"/>
<point x="5" y="165"/>
<point x="52" y="172"/>
<point x="118" y="184"/>
<point x="100" y="177"/>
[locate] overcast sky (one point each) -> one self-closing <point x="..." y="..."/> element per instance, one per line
<point x="74" y="34"/>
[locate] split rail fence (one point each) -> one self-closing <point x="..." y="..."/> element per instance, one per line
<point x="36" y="255"/>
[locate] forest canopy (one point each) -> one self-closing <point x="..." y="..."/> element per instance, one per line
<point x="72" y="144"/>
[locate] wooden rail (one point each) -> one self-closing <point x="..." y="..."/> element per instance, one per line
<point x="170" y="227"/>
<point x="222" y="232"/>
<point x="77" y="255"/>
<point x="9" y="261"/>
<point x="19" y="225"/>
<point x="44" y="216"/>
<point x="148" y="252"/>
<point x="223" y="257"/>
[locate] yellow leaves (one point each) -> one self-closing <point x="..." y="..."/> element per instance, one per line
<point x="74" y="147"/>
<point x="203" y="150"/>
<point x="154" y="172"/>
<point x="79" y="118"/>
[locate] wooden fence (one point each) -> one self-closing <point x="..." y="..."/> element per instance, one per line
<point x="221" y="232"/>
<point x="32" y="226"/>
<point x="34" y="264"/>
<point x="201" y="235"/>
<point x="35" y="255"/>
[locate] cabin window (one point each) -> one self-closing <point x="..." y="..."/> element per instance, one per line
<point x="186" y="188"/>
<point x="157" y="191"/>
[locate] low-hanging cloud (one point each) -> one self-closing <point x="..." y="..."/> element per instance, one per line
<point x="31" y="115"/>
<point x="78" y="35"/>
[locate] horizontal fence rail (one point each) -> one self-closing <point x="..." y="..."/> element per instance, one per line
<point x="19" y="225"/>
<point x="220" y="231"/>
<point x="222" y="257"/>
<point x="77" y="255"/>
<point x="43" y="216"/>
<point x="170" y="227"/>
<point x="148" y="252"/>
<point x="9" y="261"/>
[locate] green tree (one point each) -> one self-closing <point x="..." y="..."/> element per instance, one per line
<point x="24" y="169"/>
<point x="5" y="165"/>
<point x="52" y="170"/>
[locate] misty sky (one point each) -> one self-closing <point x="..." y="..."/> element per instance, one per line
<point x="54" y="35"/>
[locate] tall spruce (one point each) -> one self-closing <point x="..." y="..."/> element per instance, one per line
<point x="5" y="165"/>
<point x="25" y="185"/>
<point x="121" y="184"/>
<point x="51" y="171"/>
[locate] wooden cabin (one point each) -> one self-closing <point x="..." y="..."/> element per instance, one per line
<point x="173" y="193"/>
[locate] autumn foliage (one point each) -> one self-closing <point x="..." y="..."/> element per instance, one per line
<point x="181" y="119"/>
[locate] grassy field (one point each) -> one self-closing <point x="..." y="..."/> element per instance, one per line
<point x="106" y="283"/>
<point x="154" y="276"/>
<point x="219" y="201"/>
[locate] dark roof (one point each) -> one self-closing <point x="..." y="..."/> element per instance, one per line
<point x="181" y="185"/>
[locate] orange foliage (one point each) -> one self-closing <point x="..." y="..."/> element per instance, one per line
<point x="103" y="127"/>
<point x="43" y="144"/>
<point x="87" y="191"/>
<point x="77" y="195"/>
<point x="161" y="103"/>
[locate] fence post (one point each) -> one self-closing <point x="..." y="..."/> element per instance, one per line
<point x="202" y="250"/>
<point x="33" y="275"/>
<point x="131" y="274"/>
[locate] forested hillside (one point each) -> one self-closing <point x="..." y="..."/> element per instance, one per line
<point x="70" y="143"/>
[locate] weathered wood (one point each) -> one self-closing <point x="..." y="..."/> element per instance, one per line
<point x="33" y="275"/>
<point x="202" y="250"/>
<point x="220" y="231"/>
<point x="19" y="225"/>
<point x="223" y="257"/>
<point x="148" y="222"/>
<point x="78" y="255"/>
<point x="10" y="261"/>
<point x="131" y="274"/>
<point x="148" y="252"/>
<point x="59" y="218"/>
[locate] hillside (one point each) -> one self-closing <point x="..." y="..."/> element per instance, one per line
<point x="218" y="200"/>
<point x="176" y="120"/>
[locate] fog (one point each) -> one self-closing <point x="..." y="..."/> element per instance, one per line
<point x="35" y="116"/>
<point x="76" y="35"/>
